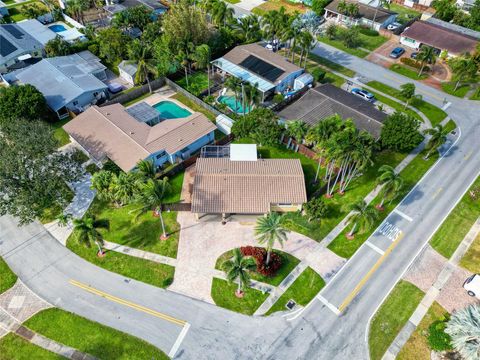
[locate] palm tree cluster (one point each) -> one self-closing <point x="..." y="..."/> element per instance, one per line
<point x="246" y="95"/>
<point x="86" y="231"/>
<point x="392" y="184"/>
<point x="345" y="150"/>
<point x="349" y="9"/>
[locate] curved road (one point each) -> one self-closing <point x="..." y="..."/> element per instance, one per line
<point x="156" y="315"/>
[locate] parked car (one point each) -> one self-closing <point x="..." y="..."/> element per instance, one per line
<point x="364" y="94"/>
<point x="472" y="285"/>
<point x="393" y="26"/>
<point x="414" y="55"/>
<point x="397" y="52"/>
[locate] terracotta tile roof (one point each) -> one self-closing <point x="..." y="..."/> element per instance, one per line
<point x="111" y="132"/>
<point x="246" y="187"/>
<point x="242" y="52"/>
<point x="441" y="37"/>
<point x="365" y="11"/>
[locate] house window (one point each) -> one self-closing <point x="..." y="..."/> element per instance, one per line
<point x="284" y="204"/>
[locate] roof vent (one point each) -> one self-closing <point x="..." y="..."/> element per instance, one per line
<point x="131" y="133"/>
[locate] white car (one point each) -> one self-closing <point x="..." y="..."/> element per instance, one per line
<point x="472" y="285"/>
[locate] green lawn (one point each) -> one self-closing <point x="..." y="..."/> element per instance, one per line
<point x="60" y="134"/>
<point x="358" y="189"/>
<point x="14" y="347"/>
<point x="372" y="42"/>
<point x="476" y="95"/>
<point x="223" y="294"/>
<point x="411" y="175"/>
<point x="450" y="126"/>
<point x="405" y="71"/>
<point x="289" y="262"/>
<point x="134" y="101"/>
<point x="404" y="14"/>
<point x="471" y="260"/>
<point x="233" y="1"/>
<point x="197" y="83"/>
<point x="195" y="107"/>
<point x="433" y="113"/>
<point x="458" y="223"/>
<point x="460" y="92"/>
<point x="341" y="46"/>
<point x="392" y="316"/>
<point x="332" y="65"/>
<point x="90" y="337"/>
<point x="395" y="105"/>
<point x="302" y="291"/>
<point x="334" y="79"/>
<point x="7" y="276"/>
<point x="15" y="10"/>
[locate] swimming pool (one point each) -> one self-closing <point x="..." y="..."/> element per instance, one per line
<point x="170" y="110"/>
<point x="235" y="106"/>
<point x="57" y="28"/>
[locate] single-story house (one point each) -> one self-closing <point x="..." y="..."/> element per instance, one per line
<point x="128" y="71"/>
<point x="370" y="16"/>
<point x="238" y="183"/>
<point x="126" y="137"/>
<point x="268" y="71"/>
<point x="3" y="9"/>
<point x="455" y="43"/>
<point x="71" y="82"/>
<point x="327" y="100"/>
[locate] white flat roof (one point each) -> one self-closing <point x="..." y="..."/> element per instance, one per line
<point x="243" y="152"/>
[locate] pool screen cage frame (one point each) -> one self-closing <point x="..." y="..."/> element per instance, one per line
<point x="215" y="151"/>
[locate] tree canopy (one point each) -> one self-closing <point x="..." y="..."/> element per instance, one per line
<point x="400" y="132"/>
<point x="23" y="101"/>
<point x="260" y="124"/>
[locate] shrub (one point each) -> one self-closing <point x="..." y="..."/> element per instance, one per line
<point x="413" y="63"/>
<point x="438" y="340"/>
<point x="351" y="38"/>
<point x="368" y="31"/>
<point x="315" y="209"/>
<point x="260" y="256"/>
<point x="318" y="74"/>
<point x="277" y="98"/>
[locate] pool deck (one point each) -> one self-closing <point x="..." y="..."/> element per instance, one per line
<point x="162" y="94"/>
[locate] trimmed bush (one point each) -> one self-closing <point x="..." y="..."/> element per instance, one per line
<point x="368" y="31"/>
<point x="438" y="340"/>
<point x="414" y="63"/>
<point x="260" y="256"/>
<point x="318" y="74"/>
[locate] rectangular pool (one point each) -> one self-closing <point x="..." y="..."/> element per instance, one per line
<point x="170" y="110"/>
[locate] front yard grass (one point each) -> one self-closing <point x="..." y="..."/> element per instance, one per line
<point x="461" y="91"/>
<point x="290" y="8"/>
<point x="195" y="107"/>
<point x="471" y="260"/>
<point x="7" y="277"/>
<point x="404" y="14"/>
<point x="433" y="113"/>
<point x="223" y="294"/>
<point x="90" y="337"/>
<point x="302" y="291"/>
<point x="197" y="83"/>
<point x="392" y="316"/>
<point x="289" y="262"/>
<point x="395" y="105"/>
<point x="458" y="223"/>
<point x="411" y="175"/>
<point x="341" y="46"/>
<point x="13" y="346"/>
<point x="417" y="345"/>
<point x="58" y="133"/>
<point x="405" y="71"/>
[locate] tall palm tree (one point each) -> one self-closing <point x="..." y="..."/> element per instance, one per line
<point x="237" y="269"/>
<point x="233" y="83"/>
<point x="86" y="231"/>
<point x="123" y="187"/>
<point x="438" y="138"/>
<point x="269" y="230"/>
<point x="221" y="13"/>
<point x="307" y="42"/>
<point x="392" y="183"/>
<point x="202" y="57"/>
<point x="464" y="69"/>
<point x="380" y="4"/>
<point x="151" y="196"/>
<point x="147" y="169"/>
<point x="363" y="217"/>
<point x="464" y="330"/>
<point x="426" y="55"/>
<point x="297" y="129"/>
<point x="248" y="28"/>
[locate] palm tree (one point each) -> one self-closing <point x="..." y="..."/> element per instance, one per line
<point x="151" y="197"/>
<point x="123" y="187"/>
<point x="140" y="55"/>
<point x="407" y="91"/>
<point x="426" y="55"/>
<point x="464" y="330"/>
<point x="221" y="13"/>
<point x="63" y="219"/>
<point x="248" y="28"/>
<point x="307" y="42"/>
<point x="438" y="138"/>
<point x="464" y="69"/>
<point x="363" y="217"/>
<point x="202" y="57"/>
<point x="147" y="169"/>
<point x="297" y="129"/>
<point x="86" y="231"/>
<point x="392" y="184"/>
<point x="380" y="4"/>
<point x="233" y="83"/>
<point x="237" y="269"/>
<point x="100" y="182"/>
<point x="269" y="230"/>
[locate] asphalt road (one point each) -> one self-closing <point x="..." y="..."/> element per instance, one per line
<point x="48" y="268"/>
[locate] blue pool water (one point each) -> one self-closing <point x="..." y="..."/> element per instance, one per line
<point x="235" y="106"/>
<point x="57" y="28"/>
<point x="170" y="110"/>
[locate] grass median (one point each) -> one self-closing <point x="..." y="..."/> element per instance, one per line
<point x="405" y="71"/>
<point x="7" y="277"/>
<point x="13" y="346"/>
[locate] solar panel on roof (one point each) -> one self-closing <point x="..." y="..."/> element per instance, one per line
<point x="6" y="47"/>
<point x="262" y="68"/>
<point x="13" y="30"/>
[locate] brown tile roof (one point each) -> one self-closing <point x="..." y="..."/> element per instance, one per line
<point x="326" y="100"/>
<point x="111" y="132"/>
<point x="441" y="37"/>
<point x="242" y="52"/>
<point x="365" y="11"/>
<point x="246" y="187"/>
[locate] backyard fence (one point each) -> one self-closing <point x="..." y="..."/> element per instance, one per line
<point x="135" y="93"/>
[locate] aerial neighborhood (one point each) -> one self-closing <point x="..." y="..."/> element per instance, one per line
<point x="240" y="179"/>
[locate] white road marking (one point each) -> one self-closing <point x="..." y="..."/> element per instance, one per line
<point x="389" y="230"/>
<point x="403" y="215"/>
<point x="179" y="340"/>
<point x="376" y="248"/>
<point x="446" y="106"/>
<point x="330" y="306"/>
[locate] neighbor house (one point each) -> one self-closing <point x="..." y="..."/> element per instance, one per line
<point x="233" y="181"/>
<point x="69" y="83"/>
<point x="452" y="39"/>
<point x="327" y="100"/>
<point x="128" y="71"/>
<point x="127" y="136"/>
<point x="268" y="71"/>
<point x="373" y="17"/>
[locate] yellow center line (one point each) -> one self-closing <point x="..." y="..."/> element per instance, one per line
<point x="127" y="303"/>
<point x="437" y="192"/>
<point x="466" y="157"/>
<point x="374" y="268"/>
